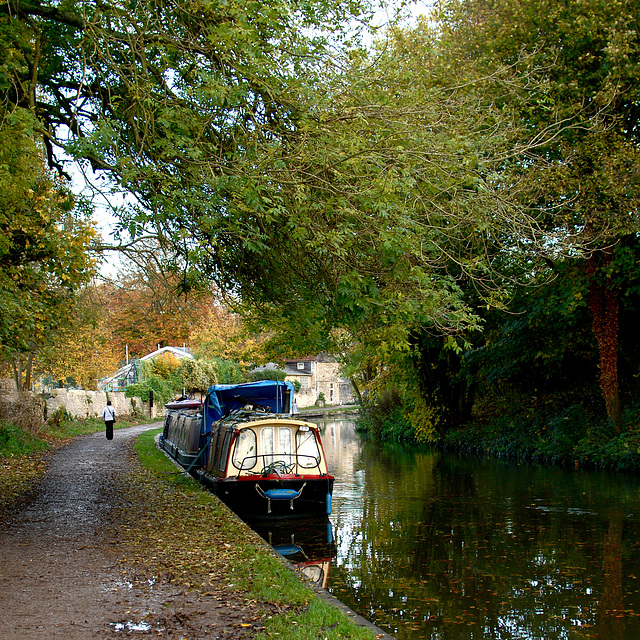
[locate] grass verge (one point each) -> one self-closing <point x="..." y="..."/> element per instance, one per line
<point x="187" y="536"/>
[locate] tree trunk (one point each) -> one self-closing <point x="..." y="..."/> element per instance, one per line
<point x="356" y="389"/>
<point x="16" y="364"/>
<point x="603" y="304"/>
<point x="29" y="369"/>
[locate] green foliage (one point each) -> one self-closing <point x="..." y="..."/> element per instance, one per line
<point x="266" y="374"/>
<point x="571" y="65"/>
<point x="550" y="431"/>
<point x="198" y="374"/>
<point x="319" y="619"/>
<point x="147" y="453"/>
<point x="45" y="241"/>
<point x="385" y="420"/>
<point x="15" y="441"/>
<point x="163" y="389"/>
<point x="229" y="371"/>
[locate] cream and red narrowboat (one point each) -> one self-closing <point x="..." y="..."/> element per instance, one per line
<point x="256" y="456"/>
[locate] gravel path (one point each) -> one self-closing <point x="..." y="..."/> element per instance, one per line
<point x="58" y="576"/>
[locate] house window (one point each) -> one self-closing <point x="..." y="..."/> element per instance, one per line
<point x="304" y="382"/>
<point x="300" y="366"/>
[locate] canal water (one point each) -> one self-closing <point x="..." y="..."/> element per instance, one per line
<point x="437" y="546"/>
<point x="431" y="545"/>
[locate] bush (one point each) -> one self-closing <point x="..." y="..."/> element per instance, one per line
<point x="267" y="374"/>
<point x="385" y="419"/>
<point x="163" y="390"/>
<point x="198" y="374"/>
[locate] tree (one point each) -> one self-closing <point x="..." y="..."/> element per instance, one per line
<point x="45" y="241"/>
<point x="144" y="309"/>
<point x="390" y="215"/>
<point x="584" y="58"/>
<point x="165" y="97"/>
<point x="84" y="350"/>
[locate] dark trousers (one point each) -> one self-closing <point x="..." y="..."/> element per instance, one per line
<point x="109" y="425"/>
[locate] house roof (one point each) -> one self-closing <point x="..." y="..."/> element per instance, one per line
<point x="321" y="357"/>
<point x="292" y="370"/>
<point x="178" y="352"/>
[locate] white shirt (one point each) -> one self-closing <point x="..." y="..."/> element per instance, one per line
<point x="109" y="413"/>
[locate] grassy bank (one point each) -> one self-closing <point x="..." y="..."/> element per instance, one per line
<point x="189" y="538"/>
<point x="541" y="429"/>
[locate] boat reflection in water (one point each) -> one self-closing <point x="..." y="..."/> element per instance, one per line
<point x="307" y="543"/>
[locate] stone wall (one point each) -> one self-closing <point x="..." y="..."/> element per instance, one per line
<point x="8" y="388"/>
<point x="23" y="409"/>
<point x="306" y="397"/>
<point x="89" y="404"/>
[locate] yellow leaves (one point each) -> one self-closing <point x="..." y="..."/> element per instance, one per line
<point x="18" y="476"/>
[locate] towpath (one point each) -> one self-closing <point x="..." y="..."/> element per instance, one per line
<point x="59" y="575"/>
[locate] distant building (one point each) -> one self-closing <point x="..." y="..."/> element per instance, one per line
<point x="316" y="375"/>
<point x="129" y="373"/>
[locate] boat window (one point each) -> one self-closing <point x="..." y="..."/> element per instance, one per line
<point x="214" y="450"/>
<point x="224" y="452"/>
<point x="307" y="449"/>
<point x="285" y="445"/>
<point x="267" y="448"/>
<point x="245" y="450"/>
<point x="276" y="444"/>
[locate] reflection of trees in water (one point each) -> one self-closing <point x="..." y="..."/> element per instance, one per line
<point x="610" y="623"/>
<point x="449" y="545"/>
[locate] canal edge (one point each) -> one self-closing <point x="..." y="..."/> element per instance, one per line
<point x="325" y="595"/>
<point x="329" y="598"/>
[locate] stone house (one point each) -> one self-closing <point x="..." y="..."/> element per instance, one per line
<point x="316" y="375"/>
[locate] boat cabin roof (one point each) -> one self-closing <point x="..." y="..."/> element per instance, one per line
<point x="272" y="396"/>
<point x="252" y="420"/>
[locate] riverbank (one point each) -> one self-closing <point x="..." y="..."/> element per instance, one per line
<point x="527" y="429"/>
<point x="566" y="436"/>
<point x="144" y="549"/>
<point x="350" y="410"/>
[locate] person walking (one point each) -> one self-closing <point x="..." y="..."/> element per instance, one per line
<point x="109" y="415"/>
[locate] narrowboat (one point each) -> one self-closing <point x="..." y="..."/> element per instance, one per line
<point x="245" y="445"/>
<point x="182" y="435"/>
